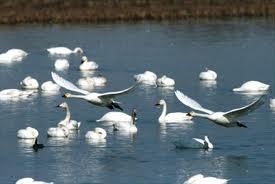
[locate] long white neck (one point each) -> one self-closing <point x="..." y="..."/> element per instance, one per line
<point x="68" y="115"/>
<point x="201" y="115"/>
<point x="77" y="96"/>
<point x="163" y="114"/>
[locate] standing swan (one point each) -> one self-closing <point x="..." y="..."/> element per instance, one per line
<point x="67" y="122"/>
<point x="176" y="117"/>
<point x="226" y="119"/>
<point x="99" y="99"/>
<point x="64" y="51"/>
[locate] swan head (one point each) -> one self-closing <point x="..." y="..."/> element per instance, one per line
<point x="101" y="132"/>
<point x="192" y="113"/>
<point x="78" y="50"/>
<point x="63" y="105"/>
<point x="66" y="95"/>
<point x="161" y="102"/>
<point x="84" y="59"/>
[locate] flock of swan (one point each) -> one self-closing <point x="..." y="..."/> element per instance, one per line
<point x="120" y="120"/>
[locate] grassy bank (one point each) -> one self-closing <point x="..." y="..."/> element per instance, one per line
<point x="66" y="11"/>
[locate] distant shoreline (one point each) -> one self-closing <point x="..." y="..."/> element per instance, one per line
<point x="97" y="11"/>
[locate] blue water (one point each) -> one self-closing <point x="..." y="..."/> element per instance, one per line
<point x="238" y="50"/>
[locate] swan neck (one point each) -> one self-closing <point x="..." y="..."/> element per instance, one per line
<point x="68" y="115"/>
<point x="77" y="96"/>
<point x="163" y="114"/>
<point x="200" y="115"/>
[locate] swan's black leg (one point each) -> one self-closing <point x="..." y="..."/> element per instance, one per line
<point x="241" y="125"/>
<point x="117" y="106"/>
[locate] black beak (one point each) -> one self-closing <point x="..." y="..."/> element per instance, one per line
<point x="82" y="61"/>
<point x="188" y="114"/>
<point x="157" y="104"/>
<point x="64" y="96"/>
<point x="58" y="106"/>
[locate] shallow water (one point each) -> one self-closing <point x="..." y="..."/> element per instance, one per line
<point x="238" y="50"/>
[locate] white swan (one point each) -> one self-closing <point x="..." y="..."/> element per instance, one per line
<point x="90" y="82"/>
<point x="127" y="126"/>
<point x="206" y="144"/>
<point x="64" y="51"/>
<point x="99" y="99"/>
<point x="50" y="86"/>
<point x="226" y="119"/>
<point x="61" y="64"/>
<point x="59" y="131"/>
<point x="97" y="134"/>
<point x="147" y="77"/>
<point x="208" y="75"/>
<point x="99" y="80"/>
<point x="12" y="55"/>
<point x="165" y="81"/>
<point x="68" y="122"/>
<point x="11" y="93"/>
<point x="87" y="65"/>
<point x="115" y="117"/>
<point x="252" y="86"/>
<point x="27" y="133"/>
<point x="176" y="117"/>
<point x="272" y="103"/>
<point x="31" y="181"/>
<point x="29" y="83"/>
<point x="200" y="179"/>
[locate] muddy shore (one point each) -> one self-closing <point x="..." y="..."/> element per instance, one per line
<point x="93" y="11"/>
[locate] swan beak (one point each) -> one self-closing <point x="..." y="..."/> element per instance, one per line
<point x="189" y="114"/>
<point x="66" y="95"/>
<point x="58" y="106"/>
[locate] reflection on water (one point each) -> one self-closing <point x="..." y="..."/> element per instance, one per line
<point x="96" y="142"/>
<point x="88" y="73"/>
<point x="58" y="141"/>
<point x="208" y="84"/>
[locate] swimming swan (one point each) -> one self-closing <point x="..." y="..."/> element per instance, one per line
<point x="29" y="83"/>
<point x="147" y="77"/>
<point x="12" y="55"/>
<point x="206" y="144"/>
<point x="165" y="81"/>
<point x="90" y="82"/>
<point x="31" y="181"/>
<point x="97" y="134"/>
<point x="61" y="64"/>
<point x="208" y="75"/>
<point x="226" y="119"/>
<point x="252" y="86"/>
<point x="176" y="117"/>
<point x="87" y="65"/>
<point x="115" y="117"/>
<point x="64" y="51"/>
<point x="59" y="131"/>
<point x="11" y="93"/>
<point x="127" y="126"/>
<point x="99" y="99"/>
<point x="27" y="133"/>
<point x="68" y="122"/>
<point x="200" y="179"/>
<point x="49" y="86"/>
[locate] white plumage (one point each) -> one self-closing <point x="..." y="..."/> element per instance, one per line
<point x="87" y="65"/>
<point x="27" y="133"/>
<point x="96" y="134"/>
<point x="68" y="122"/>
<point x="206" y="144"/>
<point x="200" y="179"/>
<point x="208" y="75"/>
<point x="252" y="86"/>
<point x="61" y="64"/>
<point x="29" y="83"/>
<point x="13" y="55"/>
<point x="50" y="86"/>
<point x="147" y="77"/>
<point x="63" y="51"/>
<point x="31" y="181"/>
<point x="165" y="81"/>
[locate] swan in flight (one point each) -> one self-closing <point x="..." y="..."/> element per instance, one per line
<point x="87" y="65"/>
<point x="29" y="83"/>
<point x="97" y="134"/>
<point x="252" y="86"/>
<point x="200" y="179"/>
<point x="27" y="133"/>
<point x="12" y="55"/>
<point x="208" y="75"/>
<point x="176" y="117"/>
<point x="165" y="81"/>
<point x="31" y="181"/>
<point x="99" y="99"/>
<point x="206" y="144"/>
<point x="226" y="119"/>
<point x="127" y="126"/>
<point x="50" y="86"/>
<point x="68" y="122"/>
<point x="64" y="51"/>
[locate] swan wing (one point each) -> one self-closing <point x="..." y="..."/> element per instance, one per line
<point x="236" y="113"/>
<point x="191" y="103"/>
<point x="199" y="140"/>
<point x="115" y="93"/>
<point x="67" y="84"/>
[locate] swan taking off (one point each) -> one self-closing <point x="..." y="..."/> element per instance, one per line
<point x="29" y="83"/>
<point x="226" y="119"/>
<point x="165" y="81"/>
<point x="27" y="133"/>
<point x="64" y="51"/>
<point x="200" y="179"/>
<point x="99" y="99"/>
<point x="252" y="86"/>
<point x="31" y="181"/>
<point x="97" y="134"/>
<point x="50" y="86"/>
<point x="206" y="144"/>
<point x="12" y="55"/>
<point x="176" y="117"/>
<point x="147" y="77"/>
<point x="87" y="65"/>
<point x="127" y="126"/>
<point x="208" y="75"/>
<point x="68" y="122"/>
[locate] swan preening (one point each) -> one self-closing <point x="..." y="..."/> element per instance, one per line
<point x="252" y="86"/>
<point x="165" y="81"/>
<point x="226" y="119"/>
<point x="64" y="51"/>
<point x="129" y="126"/>
<point x="31" y="181"/>
<point x="208" y="75"/>
<point x="68" y="122"/>
<point x="99" y="99"/>
<point x="91" y="82"/>
<point x="27" y="133"/>
<point x="147" y="77"/>
<point x="29" y="83"/>
<point x="87" y="65"/>
<point x="61" y="64"/>
<point x="59" y="131"/>
<point x="206" y="144"/>
<point x="176" y="117"/>
<point x="12" y="55"/>
<point x="49" y="86"/>
<point x="97" y="134"/>
<point x="200" y="179"/>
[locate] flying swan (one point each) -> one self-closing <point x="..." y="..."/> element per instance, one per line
<point x="99" y="99"/>
<point x="226" y="119"/>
